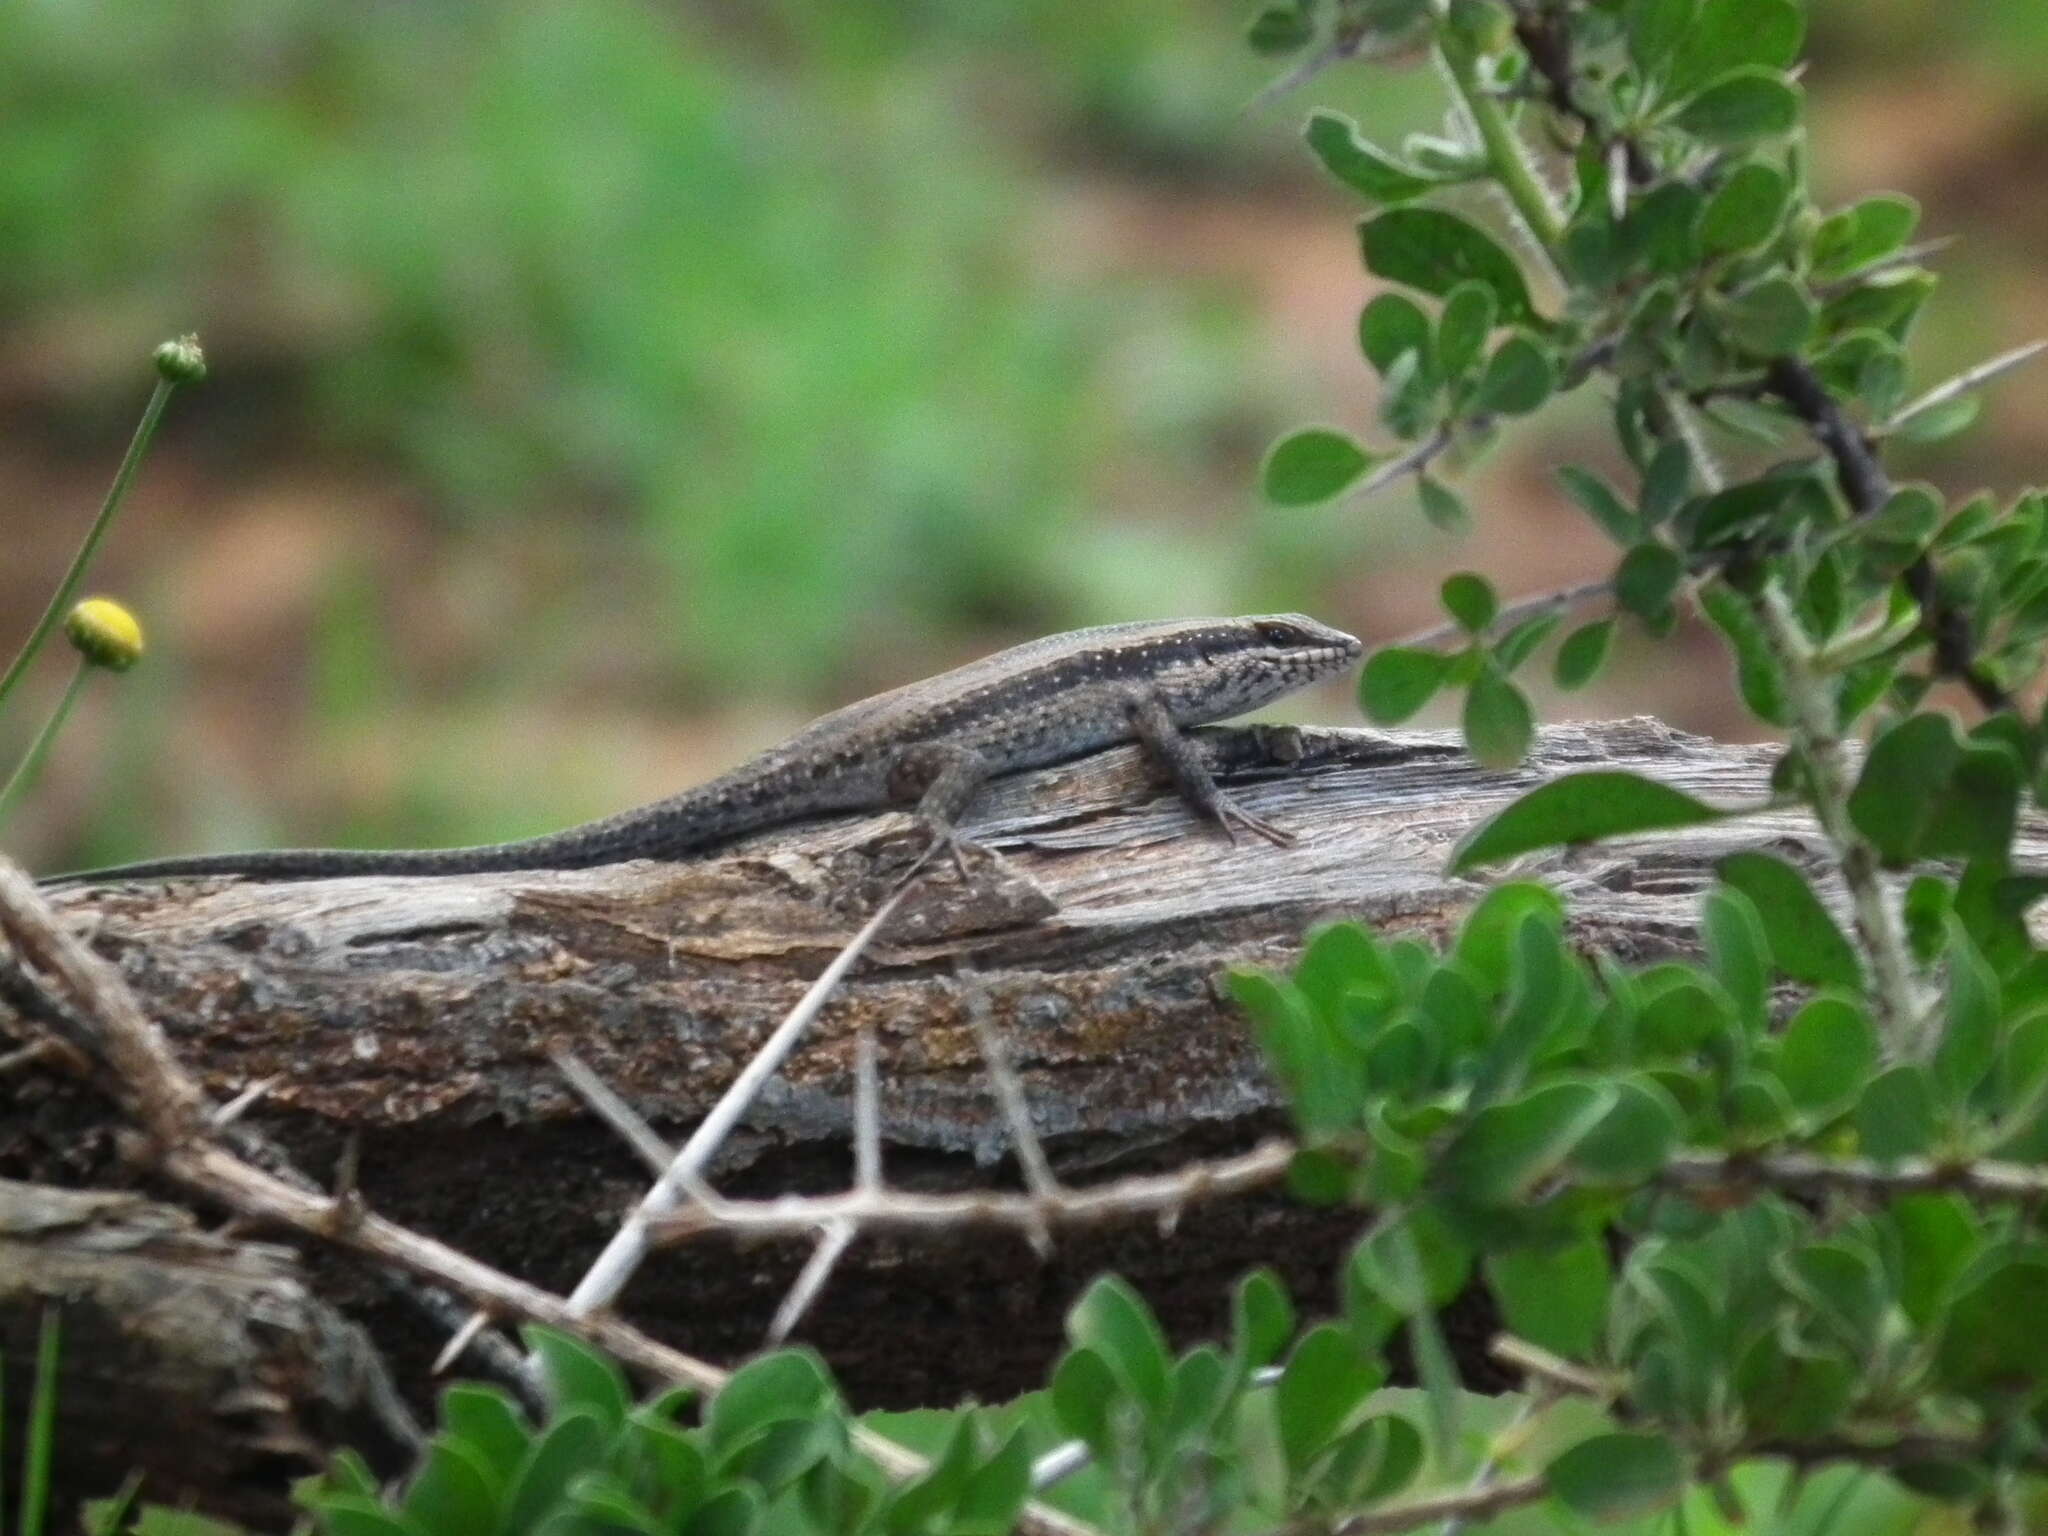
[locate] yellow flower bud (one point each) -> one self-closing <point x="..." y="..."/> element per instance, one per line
<point x="106" y="634"/>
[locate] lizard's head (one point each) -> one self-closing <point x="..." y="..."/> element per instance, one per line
<point x="1236" y="665"/>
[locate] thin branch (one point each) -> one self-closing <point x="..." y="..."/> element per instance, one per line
<point x="1879" y="929"/>
<point x="1962" y="384"/>
<point x="867" y="1113"/>
<point x="1468" y="1504"/>
<point x="1806" y="1173"/>
<point x="1554" y="1372"/>
<point x="1031" y="1158"/>
<point x="1062" y="1206"/>
<point x="1562" y="600"/>
<point x="1413" y="461"/>
<point x="629" y="1245"/>
<point x="1867" y="488"/>
<point x="614" y="1111"/>
<point x="816" y="1271"/>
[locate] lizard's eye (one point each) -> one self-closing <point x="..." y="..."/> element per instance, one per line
<point x="1274" y="632"/>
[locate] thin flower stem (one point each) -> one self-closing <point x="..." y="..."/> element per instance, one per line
<point x="124" y="477"/>
<point x="32" y="760"/>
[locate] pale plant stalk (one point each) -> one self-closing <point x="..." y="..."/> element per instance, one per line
<point x="1816" y="732"/>
<point x="31" y="762"/>
<point x="124" y="477"/>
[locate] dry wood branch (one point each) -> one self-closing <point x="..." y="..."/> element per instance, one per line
<point x="1062" y="1206"/>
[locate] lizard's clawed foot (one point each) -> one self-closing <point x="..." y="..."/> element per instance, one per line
<point x="942" y="838"/>
<point x="1230" y="816"/>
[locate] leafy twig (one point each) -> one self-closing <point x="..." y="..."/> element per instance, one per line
<point x="1562" y="599"/>
<point x="1867" y="488"/>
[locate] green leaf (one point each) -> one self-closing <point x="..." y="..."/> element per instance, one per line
<point x="1443" y="506"/>
<point x="1262" y="1319"/>
<point x="1518" y="378"/>
<point x="1938" y="1237"/>
<point x="1435" y="251"/>
<point x="1655" y="28"/>
<point x="1758" y="676"/>
<point x="1280" y="29"/>
<point x="1084" y="1392"/>
<point x="1580" y="808"/>
<point x="1659" y="235"/>
<point x="1408" y="397"/>
<point x="1462" y="329"/>
<point x="354" y="1514"/>
<point x="1469" y="598"/>
<point x="1491" y="932"/>
<point x="1635" y="1140"/>
<point x="1391" y="326"/>
<point x="486" y="1419"/>
<point x="789" y="1384"/>
<point x="1749" y="507"/>
<point x="1313" y="466"/>
<point x="1113" y="1320"/>
<point x="1895" y="1117"/>
<point x="1326" y="1380"/>
<point x="571" y="1444"/>
<point x="1799" y="1395"/>
<point x="576" y="1376"/>
<point x="1648" y="575"/>
<point x="1557" y="1299"/>
<point x="1498" y="722"/>
<point x="1583" y="654"/>
<point x="1334" y="139"/>
<point x="1974" y="815"/>
<point x="1742" y="106"/>
<point x="1398" y="681"/>
<point x="1519" y="643"/>
<point x="1994" y="1345"/>
<point x="1746" y="210"/>
<point x="1667" y="482"/>
<point x="1738" y="954"/>
<point x="1868" y="231"/>
<point x="1606" y="508"/>
<point x="1615" y="1477"/>
<point x="1970" y="1040"/>
<point x="1507" y="1149"/>
<point x="1729" y="34"/>
<point x="1806" y="943"/>
<point x="1769" y="318"/>
<point x="1826" y="1057"/>
<point x="1885" y="300"/>
<point x="454" y="1489"/>
<point x="1902" y="782"/>
<point x="995" y="1491"/>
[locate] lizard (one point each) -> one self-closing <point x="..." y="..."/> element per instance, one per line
<point x="935" y="742"/>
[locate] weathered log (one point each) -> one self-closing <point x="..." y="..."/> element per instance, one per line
<point x="204" y="1365"/>
<point x="419" y="1016"/>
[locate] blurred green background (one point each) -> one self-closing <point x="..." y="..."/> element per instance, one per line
<point x="600" y="388"/>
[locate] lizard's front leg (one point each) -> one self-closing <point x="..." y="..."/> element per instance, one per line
<point x="944" y="778"/>
<point x="1166" y="744"/>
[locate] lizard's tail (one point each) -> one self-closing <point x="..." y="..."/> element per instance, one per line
<point x="576" y="848"/>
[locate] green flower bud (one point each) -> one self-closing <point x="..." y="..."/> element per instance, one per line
<point x="181" y="361"/>
<point x="106" y="634"/>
